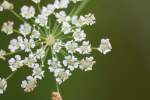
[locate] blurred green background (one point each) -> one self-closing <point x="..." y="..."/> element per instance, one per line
<point x="123" y="74"/>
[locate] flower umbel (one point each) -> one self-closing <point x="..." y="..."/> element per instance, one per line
<point x="49" y="38"/>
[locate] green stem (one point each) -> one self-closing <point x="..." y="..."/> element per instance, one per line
<point x="17" y="15"/>
<point x="78" y="10"/>
<point x="9" y="76"/>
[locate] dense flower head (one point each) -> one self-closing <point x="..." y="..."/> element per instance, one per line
<point x="49" y="38"/>
<point x="3" y="85"/>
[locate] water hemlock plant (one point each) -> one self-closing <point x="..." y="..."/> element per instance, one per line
<point x="49" y="38"/>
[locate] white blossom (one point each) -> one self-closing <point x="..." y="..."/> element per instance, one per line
<point x="7" y="5"/>
<point x="29" y="84"/>
<point x="25" y="29"/>
<point x="7" y="27"/>
<point x="14" y="45"/>
<point x="79" y="35"/>
<point x="71" y="62"/>
<point x="71" y="46"/>
<point x="62" y="17"/>
<point x="38" y="73"/>
<point x="27" y="12"/>
<point x="61" y="75"/>
<point x="48" y="10"/>
<point x="54" y="64"/>
<point x="40" y="53"/>
<point x="2" y="54"/>
<point x="1" y="8"/>
<point x="3" y="85"/>
<point x="87" y="64"/>
<point x="15" y="63"/>
<point x="105" y="46"/>
<point x="57" y="46"/>
<point x="36" y="1"/>
<point x="75" y="1"/>
<point x="52" y="35"/>
<point x="35" y="34"/>
<point x="85" y="48"/>
<point x="41" y="20"/>
<point x="66" y="28"/>
<point x="31" y="61"/>
<point x="88" y="19"/>
<point x="61" y="4"/>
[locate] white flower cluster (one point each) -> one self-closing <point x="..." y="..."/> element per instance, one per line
<point x="6" y="6"/>
<point x="62" y="46"/>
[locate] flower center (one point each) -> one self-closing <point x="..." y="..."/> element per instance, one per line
<point x="50" y="40"/>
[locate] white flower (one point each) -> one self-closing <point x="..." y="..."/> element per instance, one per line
<point x="46" y="11"/>
<point x="71" y="46"/>
<point x="79" y="35"/>
<point x="88" y="19"/>
<point x="2" y="54"/>
<point x="36" y="1"/>
<point x="29" y="84"/>
<point x="87" y="64"/>
<point x="71" y="62"/>
<point x="61" y="75"/>
<point x="31" y="61"/>
<point x="41" y="20"/>
<point x="1" y="8"/>
<point x="28" y="44"/>
<point x="40" y="53"/>
<point x="7" y="5"/>
<point x="75" y="1"/>
<point x="85" y="48"/>
<point x="61" y="4"/>
<point x="27" y="12"/>
<point x="66" y="28"/>
<point x="62" y="17"/>
<point x="105" y="46"/>
<point x="7" y="27"/>
<point x="54" y="64"/>
<point x="25" y="29"/>
<point x="38" y="73"/>
<point x="14" y="45"/>
<point x="57" y="46"/>
<point x="15" y="63"/>
<point x="3" y="85"/>
<point x="35" y="34"/>
<point x="83" y="20"/>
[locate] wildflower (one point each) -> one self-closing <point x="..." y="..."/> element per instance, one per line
<point x="2" y="54"/>
<point x="29" y="84"/>
<point x="41" y="20"/>
<point x="87" y="63"/>
<point x="27" y="12"/>
<point x="79" y="35"/>
<point x="54" y="64"/>
<point x="71" y="46"/>
<point x="7" y="27"/>
<point x="71" y="62"/>
<point x="15" y="63"/>
<point x="105" y="46"/>
<point x="1" y="8"/>
<point x="85" y="48"/>
<point x="3" y="85"/>
<point x="61" y="75"/>
<point x="38" y="73"/>
<point x="7" y="5"/>
<point x="36" y="1"/>
<point x="39" y="40"/>
<point x="25" y="29"/>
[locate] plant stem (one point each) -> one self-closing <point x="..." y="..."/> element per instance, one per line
<point x="17" y="15"/>
<point x="8" y="77"/>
